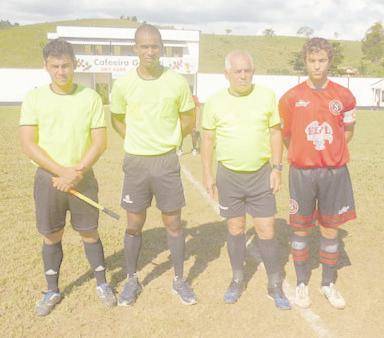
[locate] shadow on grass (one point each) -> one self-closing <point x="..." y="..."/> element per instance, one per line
<point x="283" y="234"/>
<point x="205" y="244"/>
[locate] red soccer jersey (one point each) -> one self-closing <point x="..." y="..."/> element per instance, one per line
<point x="313" y="121"/>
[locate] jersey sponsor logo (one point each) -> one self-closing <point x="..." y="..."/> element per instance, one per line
<point x="127" y="199"/>
<point x="302" y="103"/>
<point x="344" y="209"/>
<point x="293" y="206"/>
<point x="335" y="107"/>
<point x="318" y="134"/>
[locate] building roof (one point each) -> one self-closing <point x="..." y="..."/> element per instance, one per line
<point x="77" y="32"/>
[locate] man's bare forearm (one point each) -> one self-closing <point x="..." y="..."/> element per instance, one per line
<point x="118" y="124"/>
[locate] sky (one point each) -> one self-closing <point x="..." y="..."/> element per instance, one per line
<point x="341" y="19"/>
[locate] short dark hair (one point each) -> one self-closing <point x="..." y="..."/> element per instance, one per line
<point x="58" y="47"/>
<point x="314" y="45"/>
<point x="145" y="27"/>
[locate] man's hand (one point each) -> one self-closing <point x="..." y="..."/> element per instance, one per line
<point x="68" y="179"/>
<point x="209" y="185"/>
<point x="275" y="180"/>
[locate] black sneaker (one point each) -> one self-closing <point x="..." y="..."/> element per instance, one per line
<point x="132" y="289"/>
<point x="106" y="295"/>
<point x="46" y="304"/>
<point x="234" y="291"/>
<point x="181" y="288"/>
<point x="277" y="294"/>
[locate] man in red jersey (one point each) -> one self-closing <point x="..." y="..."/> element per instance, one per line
<point x="318" y="118"/>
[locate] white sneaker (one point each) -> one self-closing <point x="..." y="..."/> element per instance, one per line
<point x="179" y="152"/>
<point x="334" y="297"/>
<point x="194" y="152"/>
<point x="302" y="296"/>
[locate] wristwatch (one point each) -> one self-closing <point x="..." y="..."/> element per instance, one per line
<point x="278" y="167"/>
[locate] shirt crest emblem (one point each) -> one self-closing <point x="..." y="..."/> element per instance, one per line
<point x="335" y="107"/>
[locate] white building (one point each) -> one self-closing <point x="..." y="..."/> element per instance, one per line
<point x="105" y="53"/>
<point x="377" y="88"/>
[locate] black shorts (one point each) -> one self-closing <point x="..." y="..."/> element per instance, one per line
<point x="323" y="194"/>
<point x="241" y="193"/>
<point x="148" y="176"/>
<point x="52" y="205"/>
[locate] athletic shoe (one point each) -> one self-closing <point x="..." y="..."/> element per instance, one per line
<point x="334" y="297"/>
<point x="234" y="291"/>
<point x="194" y="152"/>
<point x="302" y="296"/>
<point x="46" y="304"/>
<point x="179" y="152"/>
<point x="105" y="294"/>
<point x="181" y="288"/>
<point x="132" y="289"/>
<point x="277" y="294"/>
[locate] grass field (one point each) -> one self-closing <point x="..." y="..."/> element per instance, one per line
<point x="159" y="314"/>
<point x="22" y="45"/>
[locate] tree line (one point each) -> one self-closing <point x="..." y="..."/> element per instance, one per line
<point x="372" y="47"/>
<point x="7" y="24"/>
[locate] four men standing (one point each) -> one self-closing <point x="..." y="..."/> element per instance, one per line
<point x="63" y="131"/>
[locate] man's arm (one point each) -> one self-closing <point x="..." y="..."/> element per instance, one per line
<point x="69" y="176"/>
<point x="284" y="111"/>
<point x="118" y="123"/>
<point x="187" y="121"/>
<point x="348" y="132"/>
<point x="208" y="141"/>
<point x="286" y="142"/>
<point x="98" y="146"/>
<point x="277" y="153"/>
<point x="197" y="112"/>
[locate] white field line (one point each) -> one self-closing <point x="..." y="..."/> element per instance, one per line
<point x="313" y="320"/>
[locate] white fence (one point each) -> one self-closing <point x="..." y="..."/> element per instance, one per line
<point x="362" y="88"/>
<point x="16" y="82"/>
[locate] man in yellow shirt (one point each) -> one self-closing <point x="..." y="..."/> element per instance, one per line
<point x="62" y="130"/>
<point x="152" y="110"/>
<point x="244" y="124"/>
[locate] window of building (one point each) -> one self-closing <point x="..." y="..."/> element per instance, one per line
<point x="173" y="51"/>
<point x="126" y="50"/>
<point x="78" y="49"/>
<point x="87" y="49"/>
<point x="97" y="50"/>
<point x="106" y="49"/>
<point x="116" y="50"/>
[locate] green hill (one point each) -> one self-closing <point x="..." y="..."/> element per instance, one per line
<point x="21" y="47"/>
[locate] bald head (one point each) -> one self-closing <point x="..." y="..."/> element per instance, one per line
<point x="233" y="56"/>
<point x="239" y="70"/>
<point x="146" y="29"/>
